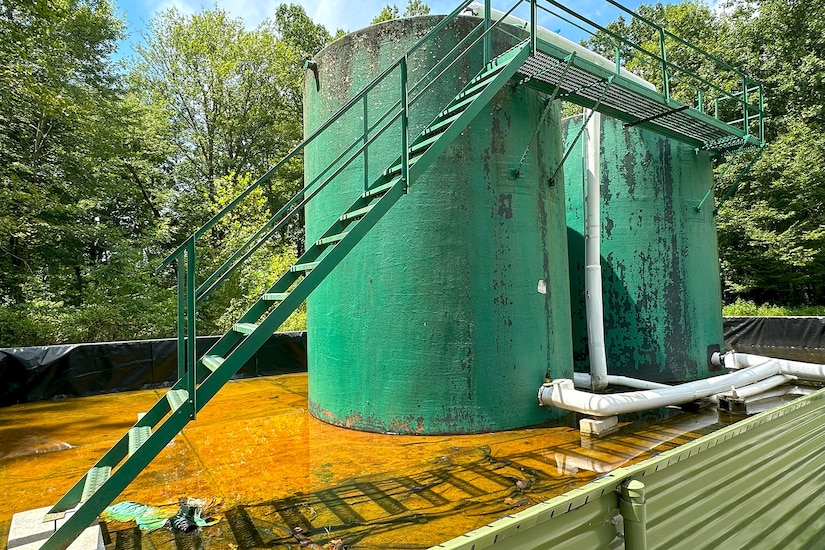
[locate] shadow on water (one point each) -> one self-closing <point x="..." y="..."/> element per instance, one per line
<point x="456" y="491"/>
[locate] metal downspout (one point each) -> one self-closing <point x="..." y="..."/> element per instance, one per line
<point x="633" y="508"/>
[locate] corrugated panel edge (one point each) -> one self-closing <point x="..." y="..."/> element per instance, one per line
<point x="500" y="530"/>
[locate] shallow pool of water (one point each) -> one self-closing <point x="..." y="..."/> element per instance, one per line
<point x="278" y="478"/>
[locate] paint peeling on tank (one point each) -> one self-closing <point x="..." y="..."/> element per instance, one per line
<point x="505" y="205"/>
<point x="658" y="262"/>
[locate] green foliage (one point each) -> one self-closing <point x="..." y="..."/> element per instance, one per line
<point x="257" y="274"/>
<point x="747" y="308"/>
<point x="102" y="172"/>
<point x="416" y="7"/>
<point x="390" y="12"/>
<point x="387" y="13"/>
<point x="78" y="189"/>
<point x="772" y="232"/>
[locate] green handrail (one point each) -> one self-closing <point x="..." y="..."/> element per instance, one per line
<point x="667" y="68"/>
<point x="190" y="294"/>
<point x="284" y="213"/>
<point x="237" y="260"/>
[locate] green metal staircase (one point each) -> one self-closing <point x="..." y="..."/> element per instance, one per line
<point x="199" y="379"/>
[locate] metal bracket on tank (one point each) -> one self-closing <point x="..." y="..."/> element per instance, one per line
<point x="569" y="61"/>
<point x="735" y="185"/>
<point x="609" y="81"/>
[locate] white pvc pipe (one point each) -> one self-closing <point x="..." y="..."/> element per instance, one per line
<point x="582" y="380"/>
<point x="760" y="387"/>
<point x="592" y="251"/>
<point x="750" y="390"/>
<point x="562" y="393"/>
<point x="803" y="371"/>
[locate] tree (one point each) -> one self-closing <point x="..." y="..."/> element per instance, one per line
<point x="771" y="233"/>
<point x="416" y="7"/>
<point x="233" y="98"/>
<point x="390" y="12"/>
<point x="76" y="223"/>
<point x="387" y="13"/>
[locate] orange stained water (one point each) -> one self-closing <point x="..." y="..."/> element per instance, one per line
<point x="267" y="468"/>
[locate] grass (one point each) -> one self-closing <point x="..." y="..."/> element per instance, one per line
<point x="747" y="308"/>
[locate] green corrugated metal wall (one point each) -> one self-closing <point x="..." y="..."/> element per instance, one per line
<point x="757" y="484"/>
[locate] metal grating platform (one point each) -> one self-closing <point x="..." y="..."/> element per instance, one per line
<point x="586" y="84"/>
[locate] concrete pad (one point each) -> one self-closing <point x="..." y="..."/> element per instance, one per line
<point x="598" y="426"/>
<point x="28" y="531"/>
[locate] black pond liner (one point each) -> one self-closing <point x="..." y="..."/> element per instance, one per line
<point x="74" y="370"/>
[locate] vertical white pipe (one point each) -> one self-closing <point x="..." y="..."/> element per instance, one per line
<point x="592" y="252"/>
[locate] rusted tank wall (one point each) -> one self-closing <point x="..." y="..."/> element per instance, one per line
<point x="660" y="263"/>
<point x="446" y="316"/>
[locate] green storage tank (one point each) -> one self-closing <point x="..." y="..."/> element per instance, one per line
<point x="445" y="318"/>
<point x="660" y="259"/>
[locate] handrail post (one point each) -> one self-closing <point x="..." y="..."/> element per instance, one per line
<point x="405" y="138"/>
<point x="488" y="41"/>
<point x="181" y="275"/>
<point x="745" y="110"/>
<point x="618" y="58"/>
<point x="701" y="102"/>
<point x="366" y="152"/>
<point x="761" y="91"/>
<point x="533" y="24"/>
<point x="191" y="355"/>
<point x="665" y="79"/>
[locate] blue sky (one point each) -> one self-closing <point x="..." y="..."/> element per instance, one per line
<point x="333" y="14"/>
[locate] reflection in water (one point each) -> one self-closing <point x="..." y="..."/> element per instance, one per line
<point x="31" y="445"/>
<point x="287" y="480"/>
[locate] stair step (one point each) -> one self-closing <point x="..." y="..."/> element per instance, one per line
<point x="441" y="126"/>
<point x="244" y="328"/>
<point x="378" y="190"/>
<point x="275" y="296"/>
<point x="137" y="437"/>
<point x="177" y="398"/>
<point x="480" y="82"/>
<point x="423" y="145"/>
<point x="458" y="107"/>
<point x="94" y="479"/>
<point x="212" y="362"/>
<point x="357" y="213"/>
<point x="396" y="169"/>
<point x="309" y="266"/>
<point x="332" y="239"/>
